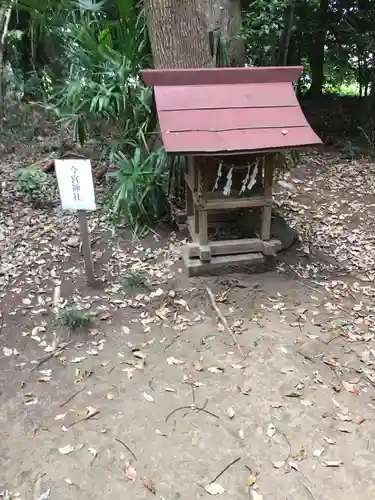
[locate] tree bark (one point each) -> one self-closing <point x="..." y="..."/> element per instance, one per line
<point x="178" y="34"/>
<point x="282" y="54"/>
<point x="225" y="18"/>
<point x="316" y="52"/>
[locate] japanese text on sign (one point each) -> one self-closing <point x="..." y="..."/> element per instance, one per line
<point x="76" y="186"/>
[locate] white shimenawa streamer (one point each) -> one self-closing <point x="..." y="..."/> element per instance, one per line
<point x="245" y="181"/>
<point x="228" y="185"/>
<point x="218" y="176"/>
<point x="253" y="178"/>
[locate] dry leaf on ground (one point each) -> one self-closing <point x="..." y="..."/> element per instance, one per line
<point x="60" y="416"/>
<point x="271" y="429"/>
<point x="329" y="440"/>
<point x="65" y="450"/>
<point x="279" y="464"/>
<point x="130" y="472"/>
<point x="78" y="360"/>
<point x="230" y="412"/>
<point x="331" y="463"/>
<point x="214" y="489"/>
<point x="318" y="453"/>
<point x="215" y="369"/>
<point x="350" y="387"/>
<point x="198" y="366"/>
<point x="148" y="397"/>
<point x="301" y="455"/>
<point x="244" y="388"/>
<point x="174" y="361"/>
<point x="149" y="484"/>
<point x="251" y="480"/>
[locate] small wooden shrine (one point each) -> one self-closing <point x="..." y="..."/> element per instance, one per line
<point x="229" y="124"/>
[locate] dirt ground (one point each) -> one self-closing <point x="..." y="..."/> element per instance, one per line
<point x="156" y="400"/>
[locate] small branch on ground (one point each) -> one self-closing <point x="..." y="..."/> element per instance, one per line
<point x="192" y="407"/>
<point x="71" y="397"/>
<point x="224" y="470"/>
<point x="127" y="448"/>
<point x="223" y="320"/>
<point x="51" y="355"/>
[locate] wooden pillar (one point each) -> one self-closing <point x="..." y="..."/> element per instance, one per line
<point x="268" y="165"/>
<point x="189" y="195"/>
<point x="204" y="249"/>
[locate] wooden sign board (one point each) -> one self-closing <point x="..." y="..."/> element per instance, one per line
<point x="76" y="187"/>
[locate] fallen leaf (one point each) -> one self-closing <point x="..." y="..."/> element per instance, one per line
<point x="78" y="360"/>
<point x="198" y="366"/>
<point x="329" y="440"/>
<point x="148" y="397"/>
<point x="104" y="316"/>
<point x="271" y="429"/>
<point x="214" y="489"/>
<point x="174" y="361"/>
<point x="215" y="369"/>
<point x="251" y="480"/>
<point x="256" y="495"/>
<point x="65" y="450"/>
<point x="130" y="472"/>
<point x="343" y="418"/>
<point x="245" y="388"/>
<point x="139" y="355"/>
<point x="293" y="465"/>
<point x="293" y="394"/>
<point x="301" y="455"/>
<point x="61" y="416"/>
<point x="344" y="430"/>
<point x="279" y="464"/>
<point x="351" y="388"/>
<point x="230" y="412"/>
<point x="149" y="484"/>
<point x="305" y="402"/>
<point x="318" y="452"/>
<point x="331" y="463"/>
<point x="276" y="404"/>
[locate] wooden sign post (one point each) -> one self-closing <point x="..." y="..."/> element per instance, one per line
<point x="74" y="177"/>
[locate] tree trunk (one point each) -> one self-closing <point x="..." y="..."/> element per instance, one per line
<point x="282" y="54"/>
<point x="316" y="52"/>
<point x="178" y="34"/>
<point x="225" y="18"/>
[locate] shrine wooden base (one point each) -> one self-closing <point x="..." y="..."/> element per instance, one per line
<point x="213" y="257"/>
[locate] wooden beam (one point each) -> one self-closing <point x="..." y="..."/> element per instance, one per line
<point x="265" y="232"/>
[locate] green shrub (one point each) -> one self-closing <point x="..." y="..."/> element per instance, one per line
<point x="32" y="183"/>
<point x="75" y="319"/>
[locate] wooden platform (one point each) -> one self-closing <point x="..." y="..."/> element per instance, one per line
<point x="222" y="264"/>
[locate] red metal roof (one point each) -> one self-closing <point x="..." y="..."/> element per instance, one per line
<point x="229" y="110"/>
